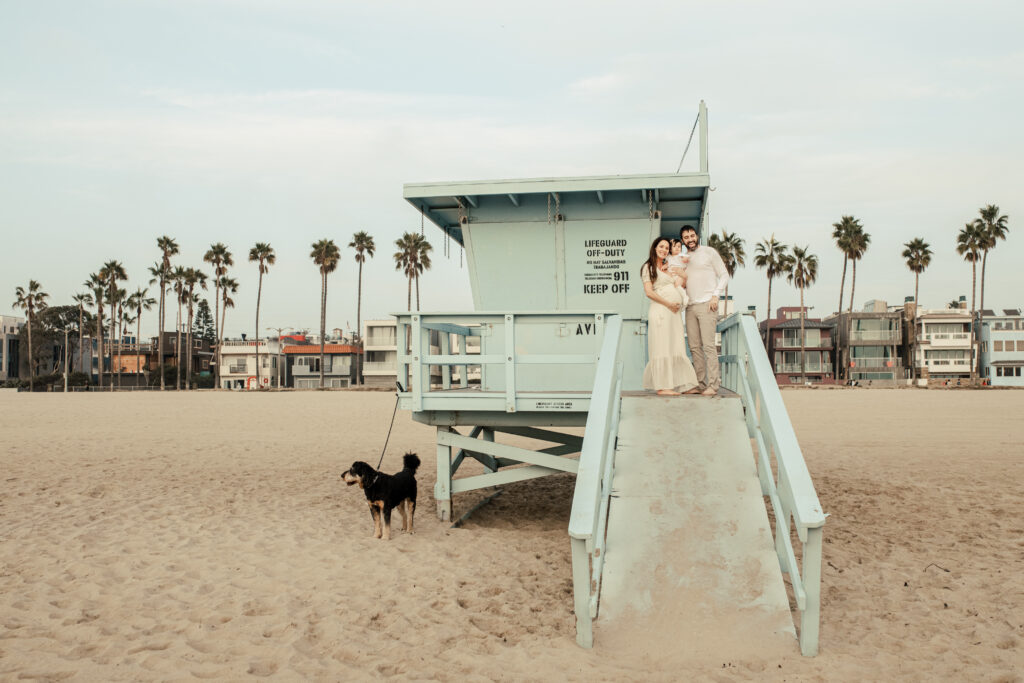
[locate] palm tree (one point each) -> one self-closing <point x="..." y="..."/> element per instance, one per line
<point x="730" y="247"/>
<point x="423" y="263"/>
<point x="325" y="254"/>
<point x="264" y="255"/>
<point x="220" y="258"/>
<point x="841" y="232"/>
<point x="364" y="246"/>
<point x="82" y="300"/>
<point x="918" y="254"/>
<point x="774" y="257"/>
<point x="857" y="245"/>
<point x="177" y="283"/>
<point x="405" y="261"/>
<point x="412" y="258"/>
<point x="140" y="301"/>
<point x="193" y="278"/>
<point x="969" y="243"/>
<point x="994" y="228"/>
<point x="111" y="272"/>
<point x="168" y="248"/>
<point x="31" y="301"/>
<point x="98" y="286"/>
<point x="803" y="271"/>
<point x="228" y="287"/>
<point x="118" y="305"/>
<point x="954" y="304"/>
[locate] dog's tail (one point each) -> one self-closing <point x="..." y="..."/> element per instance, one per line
<point x="410" y="462"/>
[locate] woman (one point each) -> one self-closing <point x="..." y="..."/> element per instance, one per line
<point x="668" y="371"/>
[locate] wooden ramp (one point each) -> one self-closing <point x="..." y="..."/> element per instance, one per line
<point x="690" y="568"/>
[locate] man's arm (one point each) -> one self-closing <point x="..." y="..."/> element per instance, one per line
<point x="721" y="278"/>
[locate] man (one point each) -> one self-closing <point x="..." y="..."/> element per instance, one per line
<point x="706" y="279"/>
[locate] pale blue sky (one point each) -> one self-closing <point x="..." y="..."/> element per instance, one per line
<point x="292" y="121"/>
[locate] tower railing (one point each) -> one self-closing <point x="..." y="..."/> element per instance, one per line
<point x="589" y="518"/>
<point x="794" y="502"/>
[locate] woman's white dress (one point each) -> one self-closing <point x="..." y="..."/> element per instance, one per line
<point x="668" y="367"/>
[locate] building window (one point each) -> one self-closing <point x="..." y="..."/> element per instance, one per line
<point x="1020" y="344"/>
<point x="997" y="345"/>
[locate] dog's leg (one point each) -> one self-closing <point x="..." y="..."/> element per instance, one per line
<point x="375" y="513"/>
<point x="405" y="520"/>
<point x="387" y="522"/>
<point x="412" y="508"/>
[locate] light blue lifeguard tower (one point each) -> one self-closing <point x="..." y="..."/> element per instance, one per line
<point x="669" y="521"/>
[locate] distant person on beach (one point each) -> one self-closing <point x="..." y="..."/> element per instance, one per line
<point x="706" y="279"/>
<point x="668" y="372"/>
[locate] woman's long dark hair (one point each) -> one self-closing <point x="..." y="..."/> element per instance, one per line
<point x="651" y="264"/>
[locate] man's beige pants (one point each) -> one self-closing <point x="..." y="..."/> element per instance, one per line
<point x="700" y="335"/>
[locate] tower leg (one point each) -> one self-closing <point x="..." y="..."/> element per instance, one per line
<point x="443" y="487"/>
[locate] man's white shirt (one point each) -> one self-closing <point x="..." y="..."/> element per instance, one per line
<point x="706" y="276"/>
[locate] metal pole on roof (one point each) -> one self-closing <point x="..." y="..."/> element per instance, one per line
<point x="703" y="116"/>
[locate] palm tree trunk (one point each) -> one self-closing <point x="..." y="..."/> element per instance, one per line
<point x="417" y="291"/>
<point x="120" y="336"/>
<point x="842" y="284"/>
<point x="768" y="313"/>
<point x="138" y="345"/>
<point x="981" y="308"/>
<point x="99" y="345"/>
<point x="113" y="321"/>
<point x="913" y="350"/>
<point x="160" y="339"/>
<point x="259" y="294"/>
<point x="220" y="339"/>
<point x="177" y="370"/>
<point x="359" y="328"/>
<point x="853" y="283"/>
<point x="408" y="303"/>
<point x="216" y="331"/>
<point x="974" y="336"/>
<point x="803" y="341"/>
<point x="188" y="345"/>
<point x="31" y="382"/>
<point x="80" y="335"/>
<point x="323" y="321"/>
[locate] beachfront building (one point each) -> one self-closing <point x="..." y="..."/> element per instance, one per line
<point x="869" y="343"/>
<point x="1002" y="348"/>
<point x="202" y="353"/>
<point x="945" y="350"/>
<point x="10" y="328"/>
<point x="380" y="353"/>
<point x="238" y="364"/>
<point x="302" y="365"/>
<point x="781" y="336"/>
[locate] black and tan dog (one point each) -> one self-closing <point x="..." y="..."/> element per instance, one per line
<point x="384" y="492"/>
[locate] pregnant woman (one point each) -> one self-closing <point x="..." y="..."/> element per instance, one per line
<point x="669" y="371"/>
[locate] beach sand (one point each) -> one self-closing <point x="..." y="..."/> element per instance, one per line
<point x="208" y="535"/>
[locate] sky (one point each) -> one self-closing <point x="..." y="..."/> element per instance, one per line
<point x="292" y="121"/>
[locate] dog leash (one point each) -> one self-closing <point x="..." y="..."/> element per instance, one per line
<point x="390" y="427"/>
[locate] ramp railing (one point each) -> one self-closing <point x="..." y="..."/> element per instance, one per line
<point x="747" y="371"/>
<point x="588" y="522"/>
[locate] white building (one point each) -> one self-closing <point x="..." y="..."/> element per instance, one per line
<point x="10" y="328"/>
<point x="238" y="364"/>
<point x="1002" y="348"/>
<point x="945" y="349"/>
<point x="380" y="352"/>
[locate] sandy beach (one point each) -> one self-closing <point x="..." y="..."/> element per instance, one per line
<point x="207" y="535"/>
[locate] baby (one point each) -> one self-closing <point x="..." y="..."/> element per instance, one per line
<point x="677" y="260"/>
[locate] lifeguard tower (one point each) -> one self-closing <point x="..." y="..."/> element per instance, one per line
<point x="558" y="340"/>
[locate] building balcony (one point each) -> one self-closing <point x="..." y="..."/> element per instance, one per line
<point x="887" y="337"/>
<point x="876" y="364"/>
<point x="816" y="369"/>
<point x="795" y="344"/>
<point x="947" y="339"/>
<point x="380" y="368"/>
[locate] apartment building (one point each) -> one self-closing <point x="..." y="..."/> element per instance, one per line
<point x="781" y="336"/>
<point x="869" y="343"/>
<point x="1002" y="348"/>
<point x="238" y="364"/>
<point x="10" y="328"/>
<point x="945" y="349"/>
<point x="380" y="352"/>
